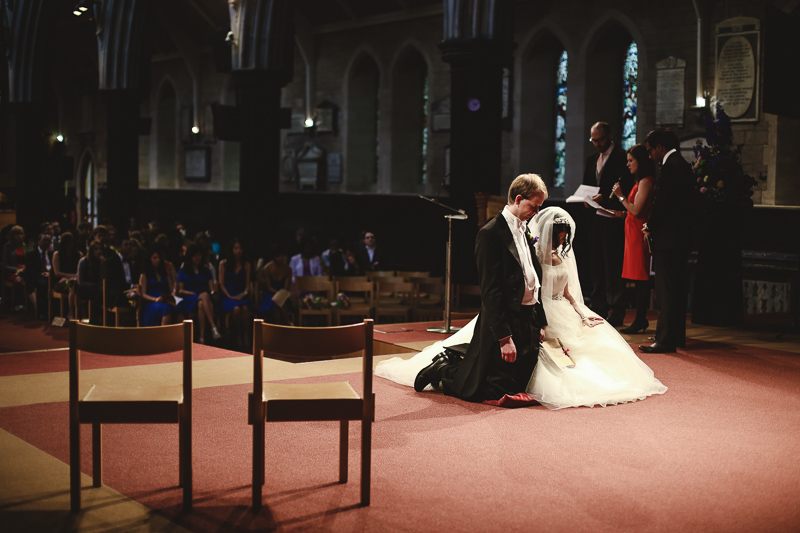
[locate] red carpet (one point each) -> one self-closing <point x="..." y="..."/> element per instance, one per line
<point x="717" y="452"/>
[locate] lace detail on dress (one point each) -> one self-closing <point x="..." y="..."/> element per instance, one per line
<point x="560" y="276"/>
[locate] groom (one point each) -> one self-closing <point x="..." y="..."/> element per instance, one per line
<point x="505" y="345"/>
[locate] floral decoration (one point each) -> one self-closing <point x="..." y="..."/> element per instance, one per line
<point x="721" y="180"/>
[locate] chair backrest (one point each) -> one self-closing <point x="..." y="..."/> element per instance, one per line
<point x="404" y="288"/>
<point x="361" y="287"/>
<point x="350" y="278"/>
<point x="129" y="342"/>
<point x="313" y="284"/>
<point x="376" y="274"/>
<point x="410" y="275"/>
<point x="303" y="344"/>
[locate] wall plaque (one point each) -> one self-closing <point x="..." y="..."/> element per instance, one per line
<point x="670" y="91"/>
<point x="737" y="58"/>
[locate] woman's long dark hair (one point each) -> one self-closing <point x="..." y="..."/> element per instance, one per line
<point x="229" y="252"/>
<point x="558" y="227"/>
<point x="645" y="164"/>
<point x="151" y="272"/>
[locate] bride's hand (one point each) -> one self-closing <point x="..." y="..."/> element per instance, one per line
<point x="592" y="321"/>
<point x="542" y="334"/>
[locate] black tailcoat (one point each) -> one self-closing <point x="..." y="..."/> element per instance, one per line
<point x="483" y="375"/>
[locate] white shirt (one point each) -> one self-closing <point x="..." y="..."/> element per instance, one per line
<point x="532" y="284"/>
<point x="601" y="161"/>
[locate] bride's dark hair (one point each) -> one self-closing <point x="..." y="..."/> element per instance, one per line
<point x="560" y="225"/>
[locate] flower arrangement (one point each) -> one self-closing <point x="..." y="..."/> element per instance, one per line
<point x="721" y="180"/>
<point x="342" y="301"/>
<point x="311" y="301"/>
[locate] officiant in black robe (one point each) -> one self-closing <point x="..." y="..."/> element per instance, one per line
<point x="504" y="348"/>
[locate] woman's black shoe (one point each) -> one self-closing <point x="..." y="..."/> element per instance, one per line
<point x="635" y="327"/>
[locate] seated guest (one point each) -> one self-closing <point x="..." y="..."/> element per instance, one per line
<point x="65" y="269"/>
<point x="14" y="259"/>
<point x="306" y="263"/>
<point x="194" y="286"/>
<point x="274" y="276"/>
<point x="156" y="290"/>
<point x="90" y="279"/>
<point x="38" y="263"/>
<point x="334" y="262"/>
<point x="234" y="282"/>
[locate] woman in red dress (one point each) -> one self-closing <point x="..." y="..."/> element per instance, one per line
<point x="636" y="264"/>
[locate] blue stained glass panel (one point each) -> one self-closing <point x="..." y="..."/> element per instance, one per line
<point x="630" y="87"/>
<point x="561" y="121"/>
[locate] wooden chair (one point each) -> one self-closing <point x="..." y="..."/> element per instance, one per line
<point x="319" y="285"/>
<point x="429" y="299"/>
<point x="52" y="294"/>
<point x="349" y="278"/>
<point x="411" y="275"/>
<point x="360" y="294"/>
<point x="117" y="311"/>
<point x="121" y="404"/>
<point x="393" y="298"/>
<point x="282" y="402"/>
<point x="375" y="275"/>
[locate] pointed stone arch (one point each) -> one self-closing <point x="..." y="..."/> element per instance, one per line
<point x="165" y="119"/>
<point x="408" y="89"/>
<point x="86" y="187"/>
<point x="362" y="93"/>
<point x="535" y="107"/>
<point x="603" y="52"/>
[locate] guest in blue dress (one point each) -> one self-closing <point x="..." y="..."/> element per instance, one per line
<point x="274" y="276"/>
<point x="156" y="291"/>
<point x="234" y="281"/>
<point x="194" y="287"/>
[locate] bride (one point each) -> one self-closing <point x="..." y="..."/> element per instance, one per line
<point x="606" y="371"/>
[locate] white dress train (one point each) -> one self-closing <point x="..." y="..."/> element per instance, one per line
<point x="606" y="372"/>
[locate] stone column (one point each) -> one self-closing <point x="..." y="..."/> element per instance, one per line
<point x="261" y="61"/>
<point x="477" y="44"/>
<point x="119" y="200"/>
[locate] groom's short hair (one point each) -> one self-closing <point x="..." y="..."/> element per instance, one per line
<point x="526" y="185"/>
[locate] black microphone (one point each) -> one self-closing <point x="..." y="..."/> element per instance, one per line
<point x="444" y="180"/>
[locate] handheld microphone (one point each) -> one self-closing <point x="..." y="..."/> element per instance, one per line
<point x="611" y="194"/>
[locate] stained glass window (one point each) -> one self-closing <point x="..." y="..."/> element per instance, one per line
<point x="561" y="121"/>
<point x="629" y="89"/>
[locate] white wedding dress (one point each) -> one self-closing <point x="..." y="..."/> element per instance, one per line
<point x="606" y="372"/>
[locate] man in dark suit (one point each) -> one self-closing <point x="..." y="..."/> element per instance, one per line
<point x="669" y="230"/>
<point x="369" y="257"/>
<point x="38" y="263"/>
<point x="505" y="345"/>
<point x="607" y="235"/>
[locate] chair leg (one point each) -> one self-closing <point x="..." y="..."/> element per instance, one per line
<point x="75" y="467"/>
<point x="259" y="458"/>
<point x="97" y="455"/>
<point x="343" y="450"/>
<point x="366" y="460"/>
<point x="185" y="460"/>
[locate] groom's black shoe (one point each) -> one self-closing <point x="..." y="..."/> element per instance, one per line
<point x="431" y="374"/>
<point x="657" y="347"/>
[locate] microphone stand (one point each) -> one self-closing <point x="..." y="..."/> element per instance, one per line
<point x="456" y="214"/>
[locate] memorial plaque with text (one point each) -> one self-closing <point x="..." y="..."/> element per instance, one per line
<point x="670" y="91"/>
<point x="737" y="67"/>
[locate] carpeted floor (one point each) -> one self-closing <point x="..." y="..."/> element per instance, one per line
<point x="715" y="453"/>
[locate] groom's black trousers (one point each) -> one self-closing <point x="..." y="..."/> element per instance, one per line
<point x="483" y="369"/>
